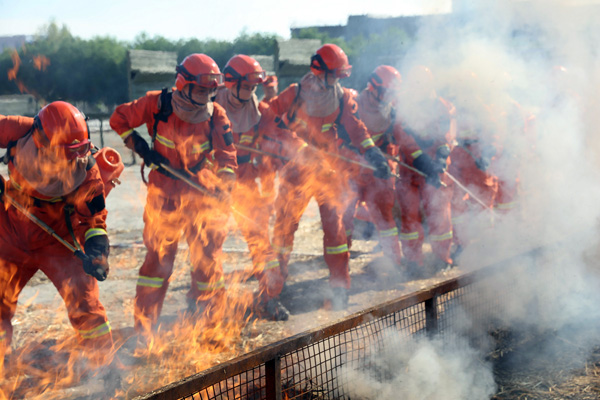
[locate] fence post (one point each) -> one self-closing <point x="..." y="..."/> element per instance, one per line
<point x="273" y="375"/>
<point x="431" y="316"/>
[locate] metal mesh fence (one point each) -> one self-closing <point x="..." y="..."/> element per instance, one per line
<point x="314" y="365"/>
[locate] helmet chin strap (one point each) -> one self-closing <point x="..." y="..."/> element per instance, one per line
<point x="237" y="97"/>
<point x="189" y="97"/>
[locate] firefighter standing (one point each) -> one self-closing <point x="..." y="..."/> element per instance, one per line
<point x="323" y="114"/>
<point x="55" y="178"/>
<point x="192" y="134"/>
<point x="428" y="125"/>
<point x="377" y="112"/>
<point x="253" y="125"/>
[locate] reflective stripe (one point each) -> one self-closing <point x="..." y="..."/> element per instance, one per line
<point x="389" y="232"/>
<point x="367" y="143"/>
<point x="2" y="335"/>
<point x="458" y="220"/>
<point x="326" y="127"/>
<point x="282" y="250"/>
<point x="376" y="137"/>
<point x="165" y="142"/>
<point x="506" y="206"/>
<point x="96" y="332"/>
<point x="148" y="281"/>
<point x="439" y="238"/>
<point x="246" y="139"/>
<point x="416" y="154"/>
<point x="126" y="134"/>
<point x="343" y="248"/>
<point x="303" y="146"/>
<point x="272" y="264"/>
<point x="206" y="286"/>
<point x="409" y="236"/>
<point x="349" y="232"/>
<point x="94" y="232"/>
<point x="199" y="148"/>
<point x="226" y="169"/>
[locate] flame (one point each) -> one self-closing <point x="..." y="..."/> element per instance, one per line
<point x="40" y="63"/>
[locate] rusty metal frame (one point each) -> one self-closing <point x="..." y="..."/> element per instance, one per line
<point x="270" y="356"/>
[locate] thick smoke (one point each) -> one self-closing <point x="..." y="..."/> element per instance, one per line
<point x="506" y="65"/>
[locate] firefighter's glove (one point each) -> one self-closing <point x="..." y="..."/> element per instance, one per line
<point x="96" y="261"/>
<point x="375" y="157"/>
<point x="441" y="157"/>
<point x="226" y="186"/>
<point x="487" y="153"/>
<point x="431" y="169"/>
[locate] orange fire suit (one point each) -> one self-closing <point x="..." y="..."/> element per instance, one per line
<point x="412" y="191"/>
<point x="256" y="203"/>
<point x="25" y="248"/>
<point x="173" y="208"/>
<point x="324" y="178"/>
<point x="470" y="166"/>
<point x="378" y="194"/>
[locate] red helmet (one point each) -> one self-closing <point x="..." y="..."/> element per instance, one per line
<point x="384" y="78"/>
<point x="61" y="124"/>
<point x="198" y="69"/>
<point x="332" y="59"/>
<point x="243" y="68"/>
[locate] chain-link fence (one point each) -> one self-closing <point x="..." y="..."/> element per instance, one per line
<point x="314" y="364"/>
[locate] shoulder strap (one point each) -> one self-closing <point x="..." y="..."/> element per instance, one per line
<point x="166" y="109"/>
<point x="291" y="114"/>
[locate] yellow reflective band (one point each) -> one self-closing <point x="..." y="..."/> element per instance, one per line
<point x="326" y="127"/>
<point x="343" y="248"/>
<point x="94" y="232"/>
<point x="458" y="220"/>
<point x="246" y="139"/>
<point x="199" y="148"/>
<point x="440" y="238"/>
<point x="126" y="134"/>
<point x="226" y="169"/>
<point x="96" y="332"/>
<point x="2" y="335"/>
<point x="272" y="264"/>
<point x="367" y="143"/>
<point x="409" y="236"/>
<point x="389" y="232"/>
<point x="303" y="146"/>
<point x="282" y="250"/>
<point x="165" y="142"/>
<point x="505" y="206"/>
<point x="349" y="232"/>
<point x="147" y="281"/>
<point x="206" y="286"/>
<point x="416" y="154"/>
<point x="376" y="137"/>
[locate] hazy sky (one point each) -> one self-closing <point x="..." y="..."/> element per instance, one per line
<point x="176" y="19"/>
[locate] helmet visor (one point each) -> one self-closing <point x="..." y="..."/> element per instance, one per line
<point x="255" y="77"/>
<point x="209" y="80"/>
<point x="76" y="150"/>
<point x="343" y="72"/>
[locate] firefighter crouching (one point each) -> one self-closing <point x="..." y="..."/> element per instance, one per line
<point x="56" y="180"/>
<point x="193" y="135"/>
<point x="254" y="125"/>
<point x="323" y="114"/>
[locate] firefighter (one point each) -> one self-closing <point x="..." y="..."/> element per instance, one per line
<point x="253" y="124"/>
<point x="56" y="180"/>
<point x="377" y="112"/>
<point x="425" y="140"/>
<point x="191" y="134"/>
<point x="323" y="114"/>
<point x="270" y="88"/>
<point x="475" y="150"/>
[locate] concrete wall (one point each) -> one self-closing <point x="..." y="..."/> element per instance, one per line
<point x="19" y="104"/>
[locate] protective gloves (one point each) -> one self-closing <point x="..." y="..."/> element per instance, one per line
<point x="152" y="158"/>
<point x="441" y="157"/>
<point x="375" y="157"/>
<point x="96" y="261"/>
<point x="431" y="169"/>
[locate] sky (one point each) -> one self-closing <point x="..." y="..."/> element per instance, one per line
<point x="176" y="19"/>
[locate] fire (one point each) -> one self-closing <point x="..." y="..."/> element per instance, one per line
<point x="40" y="63"/>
